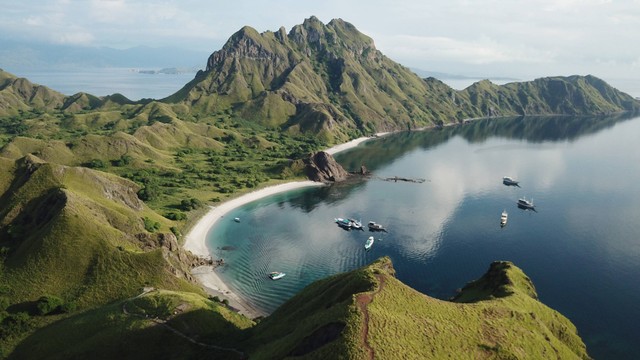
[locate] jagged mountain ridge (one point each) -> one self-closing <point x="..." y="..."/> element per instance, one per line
<point x="331" y="80"/>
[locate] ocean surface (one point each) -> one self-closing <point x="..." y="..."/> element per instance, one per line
<point x="581" y="247"/>
<point x="107" y="81"/>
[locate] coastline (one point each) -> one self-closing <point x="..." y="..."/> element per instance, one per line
<point x="196" y="238"/>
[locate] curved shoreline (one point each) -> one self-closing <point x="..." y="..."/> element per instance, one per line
<point x="196" y="239"/>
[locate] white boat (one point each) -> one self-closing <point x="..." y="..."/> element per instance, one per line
<point x="525" y="204"/>
<point x="343" y="223"/>
<point x="374" y="226"/>
<point x="236" y="219"/>
<point x="355" y="224"/>
<point x="508" y="180"/>
<point x="369" y="243"/>
<point x="275" y="275"/>
<point x="503" y="218"/>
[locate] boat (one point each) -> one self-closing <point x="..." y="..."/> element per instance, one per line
<point x="373" y="226"/>
<point x="356" y="224"/>
<point x="275" y="275"/>
<point x="343" y="223"/>
<point x="508" y="180"/>
<point x="503" y="218"/>
<point x="369" y="243"/>
<point x="525" y="204"/>
<point x="236" y="219"/>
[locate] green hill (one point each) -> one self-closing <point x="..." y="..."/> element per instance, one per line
<point x="366" y="313"/>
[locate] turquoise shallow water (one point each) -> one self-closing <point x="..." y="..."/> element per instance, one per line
<point x="581" y="247"/>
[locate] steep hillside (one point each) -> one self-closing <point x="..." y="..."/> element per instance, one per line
<point x="331" y="81"/>
<point x="80" y="236"/>
<point x="362" y="314"/>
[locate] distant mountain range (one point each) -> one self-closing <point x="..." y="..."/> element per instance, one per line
<point x="20" y="56"/>
<point x="448" y="76"/>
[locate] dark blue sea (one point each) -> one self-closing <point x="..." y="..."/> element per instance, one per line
<point x="581" y="246"/>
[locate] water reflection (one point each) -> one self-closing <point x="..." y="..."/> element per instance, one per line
<point x="375" y="154"/>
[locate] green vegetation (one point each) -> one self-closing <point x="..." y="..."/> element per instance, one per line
<point x="354" y="314"/>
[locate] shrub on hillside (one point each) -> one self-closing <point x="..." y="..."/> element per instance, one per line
<point x="150" y="225"/>
<point x="49" y="304"/>
<point x="190" y="204"/>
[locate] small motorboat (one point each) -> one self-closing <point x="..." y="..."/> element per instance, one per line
<point x="275" y="275"/>
<point x="509" y="181"/>
<point x="503" y="218"/>
<point x="236" y="219"/>
<point x="369" y="243"/>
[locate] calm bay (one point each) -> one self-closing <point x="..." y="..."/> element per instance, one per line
<point x="581" y="247"/>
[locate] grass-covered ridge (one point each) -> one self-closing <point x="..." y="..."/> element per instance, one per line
<point x="360" y="314"/>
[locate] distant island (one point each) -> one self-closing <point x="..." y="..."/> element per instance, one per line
<point x="98" y="193"/>
<point x="170" y="71"/>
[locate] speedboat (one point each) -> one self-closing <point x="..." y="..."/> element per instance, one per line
<point x="507" y="180"/>
<point x="369" y="243"/>
<point x="525" y="204"/>
<point x="275" y="275"/>
<point x="343" y="223"/>
<point x="236" y="219"/>
<point x="373" y="226"/>
<point x="503" y="218"/>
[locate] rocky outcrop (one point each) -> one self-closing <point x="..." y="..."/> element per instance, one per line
<point x="179" y="261"/>
<point x="322" y="167"/>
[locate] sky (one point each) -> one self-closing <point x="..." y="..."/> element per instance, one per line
<point x="511" y="38"/>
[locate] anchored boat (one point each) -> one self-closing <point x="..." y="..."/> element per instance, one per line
<point x="356" y="224"/>
<point x="276" y="275"/>
<point x="373" y="226"/>
<point x="503" y="218"/>
<point x="369" y="243"/>
<point x="343" y="223"/>
<point x="508" y="180"/>
<point x="526" y="204"/>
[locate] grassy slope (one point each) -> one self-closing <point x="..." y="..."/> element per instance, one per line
<point x="515" y="326"/>
<point x="504" y="321"/>
<point x="71" y="232"/>
<point x="109" y="333"/>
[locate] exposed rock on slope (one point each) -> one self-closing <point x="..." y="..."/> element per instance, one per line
<point x="322" y="167"/>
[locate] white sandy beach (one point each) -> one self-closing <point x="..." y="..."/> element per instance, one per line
<point x="196" y="239"/>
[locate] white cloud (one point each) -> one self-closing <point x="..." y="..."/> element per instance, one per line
<point x="73" y="38"/>
<point x="479" y="51"/>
